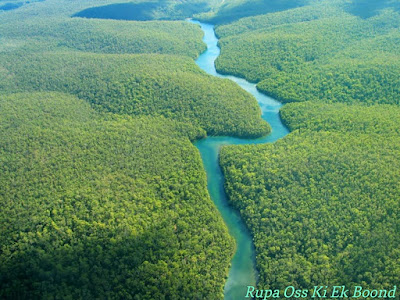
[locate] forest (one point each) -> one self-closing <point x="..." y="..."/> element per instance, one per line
<point x="102" y="36"/>
<point x="145" y="11"/>
<point x="339" y="117"/>
<point x="103" y="206"/>
<point x="104" y="195"/>
<point x="143" y="84"/>
<point x="229" y="11"/>
<point x="323" y="203"/>
<point x="321" y="53"/>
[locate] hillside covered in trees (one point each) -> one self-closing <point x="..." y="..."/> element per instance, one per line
<point x="102" y="36"/>
<point x="229" y="11"/>
<point x="323" y="203"/>
<point x="151" y="10"/>
<point x="103" y="194"/>
<point x="338" y="117"/>
<point x="171" y="86"/>
<point x="101" y="206"/>
<point x="320" y="52"/>
<point x="140" y="10"/>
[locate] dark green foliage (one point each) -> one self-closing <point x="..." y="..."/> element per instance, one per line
<point x="316" y="53"/>
<point x="139" y="9"/>
<point x="322" y="206"/>
<point x="139" y="85"/>
<point x="235" y="9"/>
<point x="370" y="8"/>
<point x="298" y="15"/>
<point x="167" y="85"/>
<point x="370" y="80"/>
<point x="145" y="11"/>
<point x="381" y="119"/>
<point x="11" y="6"/>
<point x="122" y="11"/>
<point x="110" y="36"/>
<point x="110" y="202"/>
<point x="97" y="206"/>
<point x="322" y="203"/>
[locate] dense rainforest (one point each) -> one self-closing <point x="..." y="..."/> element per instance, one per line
<point x="339" y="117"/>
<point x="100" y="206"/>
<point x="229" y="11"/>
<point x="103" y="194"/>
<point x="165" y="85"/>
<point x="319" y="52"/>
<point x="323" y="203"/>
<point x="151" y="10"/>
<point x="103" y="36"/>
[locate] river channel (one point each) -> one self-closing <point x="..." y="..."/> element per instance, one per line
<point x="242" y="271"/>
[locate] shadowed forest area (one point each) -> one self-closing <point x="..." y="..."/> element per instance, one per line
<point x="323" y="202"/>
<point x="103" y="194"/>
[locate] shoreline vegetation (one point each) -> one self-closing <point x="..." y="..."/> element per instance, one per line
<point x="103" y="192"/>
<point x="137" y="85"/>
<point x="104" y="205"/>
<point x="242" y="270"/>
<point x="316" y="53"/>
<point x="106" y="167"/>
<point x="322" y="202"/>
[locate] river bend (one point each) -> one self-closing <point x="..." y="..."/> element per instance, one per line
<point x="243" y="271"/>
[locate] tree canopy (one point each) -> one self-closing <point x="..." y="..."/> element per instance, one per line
<point x="103" y="206"/>
<point x="319" y="52"/>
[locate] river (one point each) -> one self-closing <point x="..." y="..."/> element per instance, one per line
<point x="243" y="270"/>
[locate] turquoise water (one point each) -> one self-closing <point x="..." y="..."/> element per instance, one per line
<point x="242" y="272"/>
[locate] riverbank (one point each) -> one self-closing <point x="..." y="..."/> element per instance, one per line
<point x="243" y="271"/>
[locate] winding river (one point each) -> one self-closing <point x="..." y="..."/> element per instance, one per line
<point x="243" y="271"/>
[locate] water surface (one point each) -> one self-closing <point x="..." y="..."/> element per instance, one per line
<point x="243" y="271"/>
